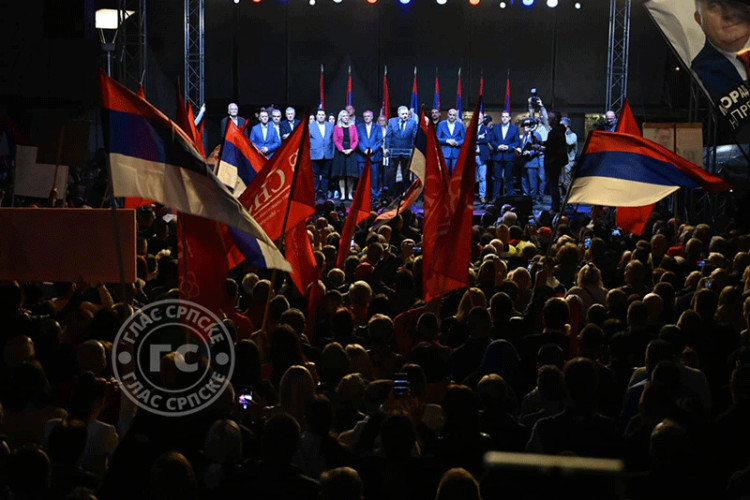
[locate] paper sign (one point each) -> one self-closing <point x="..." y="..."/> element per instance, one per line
<point x="36" y="179"/>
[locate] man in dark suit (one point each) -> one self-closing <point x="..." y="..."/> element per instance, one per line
<point x="321" y="151"/>
<point x="450" y="134"/>
<point x="288" y="125"/>
<point x="727" y="28"/>
<point x="370" y="141"/>
<point x="399" y="141"/>
<point x="555" y="157"/>
<point x="264" y="136"/>
<point x="503" y="139"/>
<point x="232" y="114"/>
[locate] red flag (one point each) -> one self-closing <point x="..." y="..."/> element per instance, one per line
<point x="452" y="256"/>
<point x="632" y="219"/>
<point x="481" y="92"/>
<point x="507" y="93"/>
<point x="322" y="104"/>
<point x="205" y="258"/>
<point x="299" y="254"/>
<point x="435" y="209"/>
<point x="313" y="303"/>
<point x="349" y="88"/>
<point x="141" y="92"/>
<point x="267" y="197"/>
<point x="185" y="119"/>
<point x="385" y="109"/>
<point x="359" y="211"/>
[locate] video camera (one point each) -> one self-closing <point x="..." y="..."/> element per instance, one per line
<point x="534" y="100"/>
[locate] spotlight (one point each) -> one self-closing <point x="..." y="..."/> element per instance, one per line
<point x="336" y="1"/>
<point x="441" y="2"/>
<point x="312" y="2"/>
<point x="256" y="1"/>
<point x="503" y="5"/>
<point x="372" y="1"/>
<point x="528" y="3"/>
<point x="404" y="2"/>
<point x="552" y="3"/>
<point x="474" y="2"/>
<point x="236" y="1"/>
<point x="577" y="6"/>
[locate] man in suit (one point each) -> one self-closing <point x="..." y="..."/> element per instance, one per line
<point x="484" y="155"/>
<point x="264" y="136"/>
<point x="435" y="117"/>
<point x="726" y="25"/>
<point x="370" y="141"/>
<point x="530" y="151"/>
<point x="232" y="114"/>
<point x="555" y="157"/>
<point x="610" y="122"/>
<point x="352" y="117"/>
<point x="288" y="125"/>
<point x="321" y="151"/>
<point x="503" y="139"/>
<point x="276" y="121"/>
<point x="399" y="141"/>
<point x="450" y="135"/>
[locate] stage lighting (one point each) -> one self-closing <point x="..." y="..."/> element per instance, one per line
<point x="552" y="3"/>
<point x="404" y="2"/>
<point x="528" y="3"/>
<point x="503" y="5"/>
<point x="372" y="1"/>
<point x="441" y="2"/>
<point x="312" y="2"/>
<point x="577" y="6"/>
<point x="256" y="1"/>
<point x="236" y="1"/>
<point x="337" y="1"/>
<point x="474" y="2"/>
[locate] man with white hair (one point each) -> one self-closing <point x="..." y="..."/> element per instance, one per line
<point x="288" y="125"/>
<point x="232" y="114"/>
<point x="399" y="141"/>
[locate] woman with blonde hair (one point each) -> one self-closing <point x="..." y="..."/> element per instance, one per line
<point x="345" y="165"/>
<point x="589" y="287"/>
<point x="295" y="390"/>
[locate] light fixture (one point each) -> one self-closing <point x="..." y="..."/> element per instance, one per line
<point x="372" y="1"/>
<point x="503" y="5"/>
<point x="337" y="1"/>
<point x="474" y="2"/>
<point x="312" y="2"/>
<point x="404" y="2"/>
<point x="107" y="19"/>
<point x="236" y="1"/>
<point x="552" y="3"/>
<point x="577" y="6"/>
<point x="528" y="3"/>
<point x="441" y="2"/>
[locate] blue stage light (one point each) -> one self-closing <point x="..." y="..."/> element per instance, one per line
<point x="404" y="2"/>
<point x="528" y="3"/>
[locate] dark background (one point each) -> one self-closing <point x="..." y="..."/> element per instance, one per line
<point x="49" y="58"/>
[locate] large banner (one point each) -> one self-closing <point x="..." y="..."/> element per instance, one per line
<point x="712" y="37"/>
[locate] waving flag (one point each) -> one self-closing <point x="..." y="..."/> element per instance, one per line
<point x="414" y="104"/>
<point x="506" y="107"/>
<point x="385" y="108"/>
<point x="459" y="98"/>
<point x="152" y="158"/>
<point x="359" y="211"/>
<point x="436" y="97"/>
<point x="322" y="103"/>
<point x="186" y="120"/>
<point x="349" y="88"/>
<point x="268" y="196"/>
<point x="632" y="219"/>
<point x="625" y="170"/>
<point x="240" y="160"/>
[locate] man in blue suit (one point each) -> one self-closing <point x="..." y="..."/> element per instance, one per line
<point x="321" y="151"/>
<point x="450" y="134"/>
<point x="727" y="29"/>
<point x="290" y="124"/>
<point x="370" y="141"/>
<point x="503" y="139"/>
<point x="399" y="141"/>
<point x="264" y="136"/>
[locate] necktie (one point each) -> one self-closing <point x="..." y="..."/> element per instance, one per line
<point x="265" y="132"/>
<point x="403" y="123"/>
<point x="744" y="56"/>
<point x="291" y="125"/>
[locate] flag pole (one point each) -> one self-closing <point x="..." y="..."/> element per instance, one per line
<point x="282" y="247"/>
<point x="61" y="139"/>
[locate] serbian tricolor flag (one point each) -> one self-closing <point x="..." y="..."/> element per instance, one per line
<point x="625" y="170"/>
<point x="459" y="97"/>
<point x="506" y="106"/>
<point x="423" y="152"/>
<point x="134" y="201"/>
<point x="414" y="104"/>
<point x="436" y="97"/>
<point x="151" y="157"/>
<point x="186" y="120"/>
<point x="446" y="267"/>
<point x="240" y="161"/>
<point x="481" y="93"/>
<point x="359" y="211"/>
<point x="632" y="219"/>
<point x="349" y="88"/>
<point x="385" y="108"/>
<point x="280" y="197"/>
<point x="322" y="103"/>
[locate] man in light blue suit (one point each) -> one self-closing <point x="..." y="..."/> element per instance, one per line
<point x="264" y="136"/>
<point x="370" y="141"/>
<point x="399" y="142"/>
<point x="450" y="134"/>
<point x="321" y="151"/>
<point x="504" y="138"/>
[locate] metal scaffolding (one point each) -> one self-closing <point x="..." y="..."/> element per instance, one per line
<point x="131" y="40"/>
<point x="194" y="79"/>
<point x="618" y="53"/>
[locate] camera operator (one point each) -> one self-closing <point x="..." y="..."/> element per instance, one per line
<point x="529" y="156"/>
<point x="536" y="106"/>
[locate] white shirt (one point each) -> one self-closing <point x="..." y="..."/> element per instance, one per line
<point x="278" y="131"/>
<point x="322" y="128"/>
<point x="264" y="128"/>
<point x="451" y="127"/>
<point x="368" y="127"/>
<point x="732" y="57"/>
<point x="504" y="129"/>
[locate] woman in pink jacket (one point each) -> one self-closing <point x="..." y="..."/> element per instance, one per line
<point x="345" y="165"/>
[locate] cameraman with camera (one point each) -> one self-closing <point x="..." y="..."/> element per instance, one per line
<point x="536" y="106"/>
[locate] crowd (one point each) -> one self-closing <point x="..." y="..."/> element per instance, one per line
<point x="605" y="345"/>
<point x="544" y="148"/>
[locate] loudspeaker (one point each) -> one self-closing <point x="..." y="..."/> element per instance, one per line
<point x="523" y="205"/>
